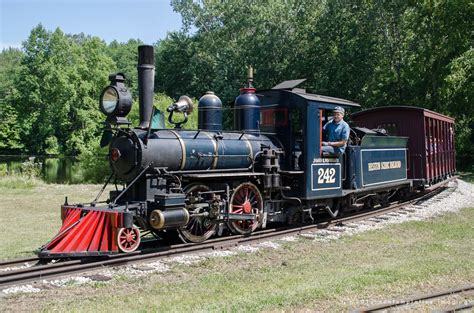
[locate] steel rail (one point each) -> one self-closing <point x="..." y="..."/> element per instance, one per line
<point x="18" y="261"/>
<point x="353" y="217"/>
<point x="35" y="273"/>
<point x="455" y="308"/>
<point x="417" y="299"/>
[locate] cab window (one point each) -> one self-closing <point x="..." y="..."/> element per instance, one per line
<point x="326" y="117"/>
<point x="273" y="118"/>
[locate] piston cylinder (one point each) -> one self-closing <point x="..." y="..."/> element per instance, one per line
<point x="169" y="218"/>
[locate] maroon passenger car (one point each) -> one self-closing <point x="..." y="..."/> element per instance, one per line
<point x="431" y="153"/>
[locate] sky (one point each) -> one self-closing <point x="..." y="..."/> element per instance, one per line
<point x="148" y="20"/>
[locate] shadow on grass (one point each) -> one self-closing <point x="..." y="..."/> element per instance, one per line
<point x="29" y="252"/>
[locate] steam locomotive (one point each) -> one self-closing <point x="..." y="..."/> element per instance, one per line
<point x="194" y="184"/>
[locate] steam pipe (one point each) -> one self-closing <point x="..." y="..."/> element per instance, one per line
<point x="146" y="83"/>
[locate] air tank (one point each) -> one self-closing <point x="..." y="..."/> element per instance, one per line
<point x="247" y="108"/>
<point x="210" y="112"/>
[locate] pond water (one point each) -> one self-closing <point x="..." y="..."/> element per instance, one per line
<point x="52" y="169"/>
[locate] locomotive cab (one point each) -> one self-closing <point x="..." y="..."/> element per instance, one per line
<point x="371" y="161"/>
<point x="297" y="118"/>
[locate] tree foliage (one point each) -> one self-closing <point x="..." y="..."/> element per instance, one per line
<point x="416" y="53"/>
<point x="387" y="52"/>
<point x="125" y="56"/>
<point x="57" y="90"/>
<point x="10" y="66"/>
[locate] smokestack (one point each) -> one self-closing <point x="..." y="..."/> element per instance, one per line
<point x="146" y="83"/>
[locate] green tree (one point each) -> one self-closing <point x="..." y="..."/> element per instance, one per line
<point x="10" y="142"/>
<point x="58" y="87"/>
<point x="125" y="56"/>
<point x="374" y="52"/>
<point x="227" y="37"/>
<point x="10" y="66"/>
<point x="458" y="93"/>
<point x="90" y="70"/>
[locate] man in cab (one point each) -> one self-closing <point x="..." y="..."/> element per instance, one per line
<point x="337" y="134"/>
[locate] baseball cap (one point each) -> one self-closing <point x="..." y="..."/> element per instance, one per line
<point x="338" y="109"/>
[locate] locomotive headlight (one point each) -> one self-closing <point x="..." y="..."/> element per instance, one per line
<point x="116" y="100"/>
<point x="109" y="100"/>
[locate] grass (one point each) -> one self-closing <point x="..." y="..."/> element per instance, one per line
<point x="30" y="212"/>
<point x="301" y="276"/>
<point x="18" y="182"/>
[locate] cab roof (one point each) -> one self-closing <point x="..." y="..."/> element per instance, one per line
<point x="326" y="99"/>
<point x="290" y="86"/>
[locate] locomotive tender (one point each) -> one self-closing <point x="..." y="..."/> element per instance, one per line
<point x="194" y="184"/>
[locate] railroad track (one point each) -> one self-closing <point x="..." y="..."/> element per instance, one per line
<point x="33" y="273"/>
<point x="18" y="262"/>
<point x="467" y="290"/>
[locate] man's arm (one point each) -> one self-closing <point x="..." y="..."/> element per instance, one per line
<point x="337" y="143"/>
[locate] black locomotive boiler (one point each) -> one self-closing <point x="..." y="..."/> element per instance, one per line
<point x="194" y="184"/>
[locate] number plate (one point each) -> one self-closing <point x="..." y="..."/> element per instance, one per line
<point x="325" y="176"/>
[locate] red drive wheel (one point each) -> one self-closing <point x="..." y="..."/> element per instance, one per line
<point x="246" y="199"/>
<point x="128" y="239"/>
